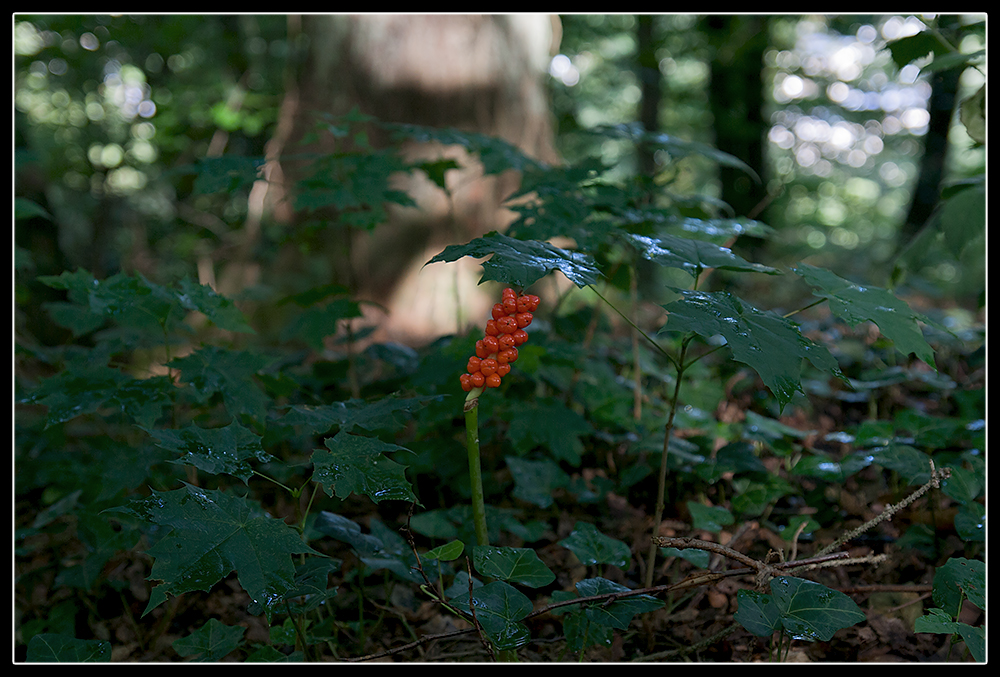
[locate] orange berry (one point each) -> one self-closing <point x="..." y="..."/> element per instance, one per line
<point x="477" y="379"/>
<point x="473" y="364"/>
<point x="519" y="336"/>
<point x="488" y="366"/>
<point x="493" y="381"/>
<point x="498" y="311"/>
<point x="503" y="369"/>
<point x="523" y="319"/>
<point x="507" y="325"/>
<point x="491" y="328"/>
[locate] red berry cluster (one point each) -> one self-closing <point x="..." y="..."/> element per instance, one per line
<point x="498" y="348"/>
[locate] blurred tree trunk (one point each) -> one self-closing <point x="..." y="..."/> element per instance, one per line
<point x="941" y="107"/>
<point x="736" y="100"/>
<point x="475" y="73"/>
<point x="650" y="81"/>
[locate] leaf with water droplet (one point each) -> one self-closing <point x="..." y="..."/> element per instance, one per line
<point x="592" y="547"/>
<point x="357" y="464"/>
<point x="498" y="606"/>
<point x="520" y="565"/>
<point x="804" y="609"/>
<point x="772" y="345"/>
<point x="855" y="303"/>
<point x="521" y="263"/>
<point x="215" y="450"/>
<point x="212" y="534"/>
<point x="692" y="256"/>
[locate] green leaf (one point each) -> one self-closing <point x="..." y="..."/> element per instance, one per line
<point x="553" y="426"/>
<point x="495" y="154"/>
<point x="520" y="565"/>
<point x="592" y="547"/>
<point x="936" y="621"/>
<point x="213" y="534"/>
<point x="535" y="481"/>
<point x="805" y="610"/>
<point x="316" y="323"/>
<point x="962" y="218"/>
<point x="356" y="464"/>
<point x="521" y="263"/>
<point x="221" y="311"/>
<point x="692" y="256"/>
<point x="854" y="303"/>
<point x="446" y="552"/>
<point x="29" y="209"/>
<point x="957" y="578"/>
<point x="912" y="464"/>
<point x="225" y="174"/>
<point x="679" y="148"/>
<point x="619" y="613"/>
<point x="57" y="648"/>
<point x="498" y="606"/>
<point x="211" y="642"/>
<point x="975" y="640"/>
<point x="917" y="46"/>
<point x="215" y="450"/>
<point x="709" y="517"/>
<point x="349" y="415"/>
<point x="211" y="370"/>
<point x="770" y="344"/>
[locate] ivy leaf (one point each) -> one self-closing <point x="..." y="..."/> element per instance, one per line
<point x="215" y="450"/>
<point x="592" y="547"/>
<point x="211" y="369"/>
<point x="692" y="256"/>
<point x="446" y="552"/>
<point x="520" y="565"/>
<point x="356" y="464"/>
<point x="213" y="534"/>
<point x="770" y="344"/>
<point x="499" y="606"/>
<point x="804" y="609"/>
<point x="617" y="614"/>
<point x="520" y="263"/>
<point x="213" y="641"/>
<point x="709" y="517"/>
<point x="854" y="303"/>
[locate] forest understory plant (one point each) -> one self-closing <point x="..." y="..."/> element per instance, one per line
<point x="324" y="477"/>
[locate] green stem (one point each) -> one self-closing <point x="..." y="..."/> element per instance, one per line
<point x="475" y="469"/>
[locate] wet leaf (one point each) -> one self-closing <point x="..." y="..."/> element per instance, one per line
<point x="856" y="303"/>
<point x="804" y="609"/>
<point x="498" y="607"/>
<point x="356" y="464"/>
<point x="535" y="481"/>
<point x="520" y="263"/>
<point x="592" y="547"/>
<point x="692" y="256"/>
<point x="215" y="450"/>
<point x="770" y="344"/>
<point x="520" y="565"/>
<point x="213" y="534"/>
<point x="211" y="370"/>
<point x="619" y="613"/>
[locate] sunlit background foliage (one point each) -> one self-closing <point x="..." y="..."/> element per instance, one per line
<point x="111" y="108"/>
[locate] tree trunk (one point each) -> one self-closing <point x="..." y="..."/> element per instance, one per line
<point x="474" y="73"/>
<point x="736" y="99"/>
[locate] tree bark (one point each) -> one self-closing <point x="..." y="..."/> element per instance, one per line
<point x="474" y="73"/>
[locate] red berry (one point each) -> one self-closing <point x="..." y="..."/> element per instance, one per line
<point x="491" y="328"/>
<point x="473" y="364"/>
<point x="491" y="343"/>
<point x="519" y="336"/>
<point x="493" y="381"/>
<point x="477" y="379"/>
<point x="503" y="369"/>
<point x="498" y="311"/>
<point x="508" y="292"/>
<point x="488" y="366"/>
<point x="533" y="302"/>
<point x="523" y="319"/>
<point x="466" y="381"/>
<point x="509" y="355"/>
<point x="509" y="305"/>
<point x="505" y="341"/>
<point x="523" y="304"/>
<point x="507" y="325"/>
